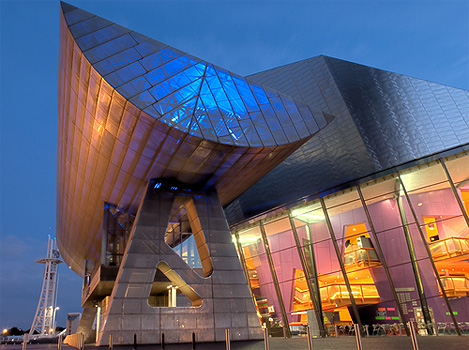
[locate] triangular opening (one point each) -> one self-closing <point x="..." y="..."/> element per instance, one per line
<point x="185" y="236"/>
<point x="170" y="290"/>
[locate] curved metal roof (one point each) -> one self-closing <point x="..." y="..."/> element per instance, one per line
<point x="131" y="109"/>
<point x="185" y="92"/>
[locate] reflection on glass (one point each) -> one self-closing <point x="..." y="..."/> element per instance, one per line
<point x="438" y="224"/>
<point x="259" y="274"/>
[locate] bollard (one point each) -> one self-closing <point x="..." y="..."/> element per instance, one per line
<point x="110" y="341"/>
<point x="162" y="341"/>
<point x="336" y="331"/>
<point x="135" y="341"/>
<point x="193" y="341"/>
<point x="358" y="336"/>
<point x="266" y="339"/>
<point x="435" y="329"/>
<point x="59" y="343"/>
<point x="227" y="339"/>
<point x="284" y="332"/>
<point x="413" y="336"/>
<point x="310" y="341"/>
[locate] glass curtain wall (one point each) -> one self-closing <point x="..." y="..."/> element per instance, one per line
<point x="260" y="276"/>
<point x="377" y="254"/>
<point x="385" y="202"/>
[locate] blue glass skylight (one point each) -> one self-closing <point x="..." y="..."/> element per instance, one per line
<point x="186" y="93"/>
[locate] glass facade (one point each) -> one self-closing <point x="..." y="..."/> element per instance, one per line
<point x="382" y="253"/>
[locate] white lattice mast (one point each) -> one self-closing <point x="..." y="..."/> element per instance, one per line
<point x="44" y="321"/>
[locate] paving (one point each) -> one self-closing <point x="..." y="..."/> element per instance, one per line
<point x="369" y="343"/>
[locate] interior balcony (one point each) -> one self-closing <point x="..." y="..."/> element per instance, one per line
<point x="360" y="257"/>
<point x="455" y="286"/>
<point x="301" y="299"/>
<point x="451" y="247"/>
<point x="336" y="295"/>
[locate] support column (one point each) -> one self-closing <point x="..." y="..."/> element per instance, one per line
<point x="313" y="288"/>
<point x="98" y="321"/>
<point x="383" y="260"/>
<point x="220" y="298"/>
<point x="341" y="263"/>
<point x="275" y="280"/>
<point x="242" y="258"/>
<point x="413" y="258"/>
<point x="429" y="253"/>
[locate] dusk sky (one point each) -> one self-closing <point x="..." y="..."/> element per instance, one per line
<point x="424" y="39"/>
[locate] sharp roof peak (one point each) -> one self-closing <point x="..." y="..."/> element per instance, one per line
<point x="187" y="93"/>
<point x="66" y="7"/>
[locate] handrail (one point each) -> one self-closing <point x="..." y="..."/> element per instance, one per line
<point x="358" y="256"/>
<point x="449" y="247"/>
<point x="455" y="289"/>
<point x="340" y="293"/>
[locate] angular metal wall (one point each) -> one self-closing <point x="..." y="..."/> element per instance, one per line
<point x="112" y="139"/>
<point x="382" y="119"/>
<point x="401" y="118"/>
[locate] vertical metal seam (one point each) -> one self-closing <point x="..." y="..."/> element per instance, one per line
<point x="274" y="278"/>
<point x="382" y="258"/>
<point x="312" y="291"/>
<point x="243" y="260"/>
<point x="429" y="253"/>
<point x="314" y="276"/>
<point x="412" y="256"/>
<point x="455" y="193"/>
<point x="341" y="263"/>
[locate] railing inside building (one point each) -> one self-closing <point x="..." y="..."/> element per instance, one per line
<point x="449" y="247"/>
<point x="361" y="257"/>
<point x="455" y="286"/>
<point x="337" y="294"/>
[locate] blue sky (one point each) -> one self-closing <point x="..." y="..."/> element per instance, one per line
<point x="424" y="39"/>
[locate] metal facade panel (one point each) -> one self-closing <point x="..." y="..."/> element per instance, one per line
<point x="185" y="92"/>
<point x="223" y="282"/>
<point x="335" y="155"/>
<point x="400" y="118"/>
<point x="382" y="119"/>
<point x="108" y="149"/>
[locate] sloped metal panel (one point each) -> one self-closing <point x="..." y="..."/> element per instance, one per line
<point x="401" y="118"/>
<point x="185" y="92"/>
<point x="335" y="155"/>
<point x="109" y="145"/>
<point x="382" y="119"/>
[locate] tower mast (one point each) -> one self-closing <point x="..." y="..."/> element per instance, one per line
<point x="45" y="314"/>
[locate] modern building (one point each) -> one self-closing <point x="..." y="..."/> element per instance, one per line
<point x="319" y="193"/>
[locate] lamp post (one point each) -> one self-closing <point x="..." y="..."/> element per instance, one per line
<point x="53" y="318"/>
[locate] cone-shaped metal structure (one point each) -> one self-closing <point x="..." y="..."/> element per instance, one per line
<point x="132" y="108"/>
